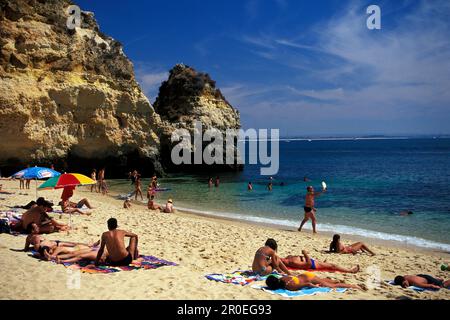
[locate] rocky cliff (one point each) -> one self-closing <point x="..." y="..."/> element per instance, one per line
<point x="189" y="96"/>
<point x="70" y="96"/>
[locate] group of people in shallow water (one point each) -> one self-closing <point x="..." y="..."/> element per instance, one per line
<point x="267" y="261"/>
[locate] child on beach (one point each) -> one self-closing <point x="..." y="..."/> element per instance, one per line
<point x="266" y="260"/>
<point x="305" y="280"/>
<point x="337" y="247"/>
<point x="127" y="203"/>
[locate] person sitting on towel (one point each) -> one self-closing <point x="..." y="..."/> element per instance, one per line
<point x="424" y="281"/>
<point x="114" y="241"/>
<point x="306" y="263"/>
<point x="266" y="260"/>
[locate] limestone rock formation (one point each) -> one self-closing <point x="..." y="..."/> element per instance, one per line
<point x="69" y="95"/>
<point x="189" y="96"/>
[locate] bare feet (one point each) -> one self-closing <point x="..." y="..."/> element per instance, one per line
<point x="355" y="269"/>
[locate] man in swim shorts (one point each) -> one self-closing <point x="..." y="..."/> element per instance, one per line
<point x="422" y="281"/>
<point x="114" y="241"/>
<point x="310" y="210"/>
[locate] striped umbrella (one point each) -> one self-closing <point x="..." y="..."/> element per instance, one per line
<point x="67" y="180"/>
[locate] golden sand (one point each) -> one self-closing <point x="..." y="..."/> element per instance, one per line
<point x="200" y="245"/>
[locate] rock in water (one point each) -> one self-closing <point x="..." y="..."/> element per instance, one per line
<point x="189" y="96"/>
<point x="70" y="97"/>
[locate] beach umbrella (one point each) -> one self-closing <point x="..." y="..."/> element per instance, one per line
<point x="67" y="181"/>
<point x="36" y="173"/>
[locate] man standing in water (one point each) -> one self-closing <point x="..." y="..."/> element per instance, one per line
<point x="310" y="210"/>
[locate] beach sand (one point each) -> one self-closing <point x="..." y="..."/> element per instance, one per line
<point x="200" y="245"/>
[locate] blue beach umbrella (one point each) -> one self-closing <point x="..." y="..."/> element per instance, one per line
<point x="36" y="173"/>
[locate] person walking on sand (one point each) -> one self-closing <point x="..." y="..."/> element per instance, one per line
<point x="138" y="188"/>
<point x="310" y="210"/>
<point x="114" y="241"/>
<point x="94" y="177"/>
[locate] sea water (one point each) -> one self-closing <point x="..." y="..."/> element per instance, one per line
<point x="370" y="182"/>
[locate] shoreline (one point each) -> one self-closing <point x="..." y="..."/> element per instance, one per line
<point x="307" y="230"/>
<point x="200" y="245"/>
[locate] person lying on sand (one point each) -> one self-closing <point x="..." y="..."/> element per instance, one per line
<point x="422" y="281"/>
<point x="305" y="280"/>
<point x="88" y="254"/>
<point x="152" y="205"/>
<point x="38" y="215"/>
<point x="72" y="207"/>
<point x="337" y="247"/>
<point x="48" y="249"/>
<point x="266" y="260"/>
<point x="114" y="241"/>
<point x="306" y="263"/>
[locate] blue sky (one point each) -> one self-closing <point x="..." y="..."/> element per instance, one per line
<point x="305" y="67"/>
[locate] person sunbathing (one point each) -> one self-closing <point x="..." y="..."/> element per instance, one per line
<point x="337" y="247"/>
<point x="424" y="281"/>
<point x="306" y="263"/>
<point x="266" y="260"/>
<point x="114" y="241"/>
<point x="152" y="205"/>
<point x="305" y="280"/>
<point x="89" y="254"/>
<point x="71" y="207"/>
<point x="48" y="249"/>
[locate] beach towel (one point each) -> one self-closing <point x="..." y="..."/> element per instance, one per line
<point x="143" y="262"/>
<point x="239" y="277"/>
<point x="300" y="293"/>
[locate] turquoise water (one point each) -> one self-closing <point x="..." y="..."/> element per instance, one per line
<point x="369" y="183"/>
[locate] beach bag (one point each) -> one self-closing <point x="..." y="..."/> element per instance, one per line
<point x="4" y="226"/>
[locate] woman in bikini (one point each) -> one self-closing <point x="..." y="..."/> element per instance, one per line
<point x="306" y="263"/>
<point x="305" y="280"/>
<point x="266" y="260"/>
<point x="337" y="247"/>
<point x="49" y="249"/>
